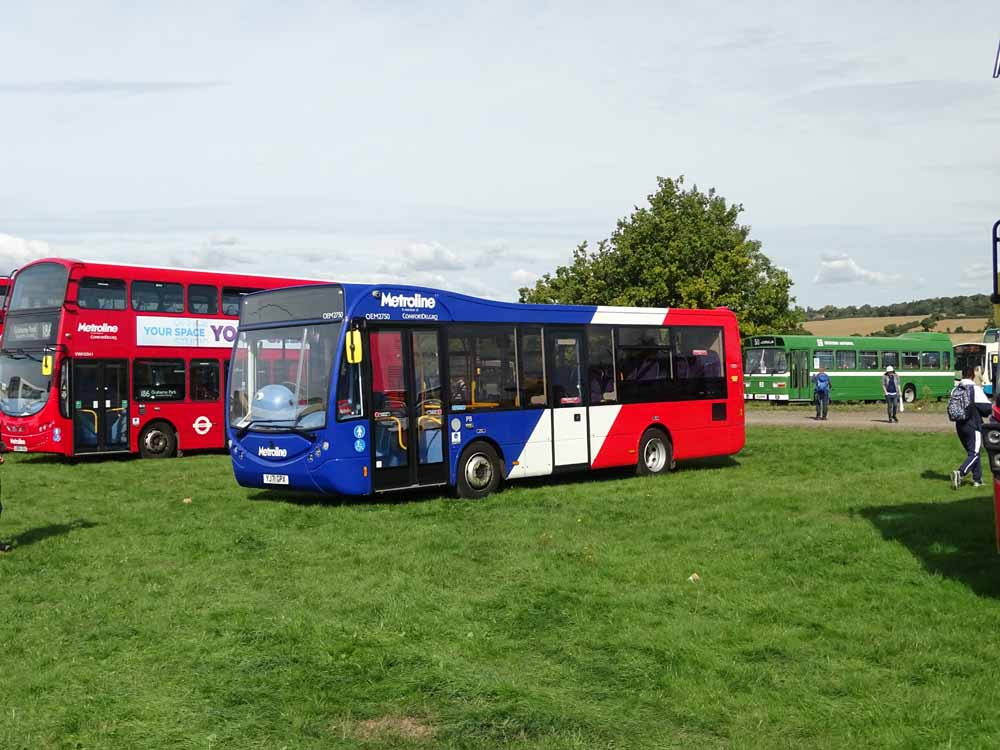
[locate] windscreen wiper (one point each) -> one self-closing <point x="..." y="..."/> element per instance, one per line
<point x="242" y="431"/>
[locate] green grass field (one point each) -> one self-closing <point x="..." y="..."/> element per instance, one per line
<point x="848" y="598"/>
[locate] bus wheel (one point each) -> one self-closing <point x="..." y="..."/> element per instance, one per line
<point x="158" y="440"/>
<point x="655" y="453"/>
<point x="479" y="471"/>
<point x="909" y="394"/>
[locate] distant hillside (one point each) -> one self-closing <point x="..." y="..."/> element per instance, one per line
<point x="969" y="305"/>
<point x="965" y="328"/>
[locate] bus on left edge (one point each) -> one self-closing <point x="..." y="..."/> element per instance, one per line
<point x="103" y="358"/>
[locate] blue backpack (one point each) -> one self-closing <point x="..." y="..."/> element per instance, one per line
<point x="822" y="382"/>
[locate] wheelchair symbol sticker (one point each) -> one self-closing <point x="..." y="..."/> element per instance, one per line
<point x="359" y="446"/>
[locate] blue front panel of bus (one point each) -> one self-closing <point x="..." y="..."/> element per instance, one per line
<point x="289" y="461"/>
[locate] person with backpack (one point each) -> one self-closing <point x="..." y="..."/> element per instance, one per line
<point x="890" y="387"/>
<point x="821" y="392"/>
<point x="967" y="405"/>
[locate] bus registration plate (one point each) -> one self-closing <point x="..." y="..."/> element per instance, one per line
<point x="20" y="449"/>
<point x="275" y="479"/>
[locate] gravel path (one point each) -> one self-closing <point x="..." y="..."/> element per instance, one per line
<point x="874" y="418"/>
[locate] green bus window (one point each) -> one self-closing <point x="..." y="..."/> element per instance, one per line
<point x="911" y="361"/>
<point x="945" y="360"/>
<point x="846" y="360"/>
<point x="890" y="358"/>
<point x="868" y="360"/>
<point x="930" y="360"/>
<point x="823" y="359"/>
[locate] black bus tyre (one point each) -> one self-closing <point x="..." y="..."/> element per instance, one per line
<point x="909" y="393"/>
<point x="479" y="471"/>
<point x="158" y="440"/>
<point x="656" y="454"/>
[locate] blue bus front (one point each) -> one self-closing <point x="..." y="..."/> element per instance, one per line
<point x="286" y="430"/>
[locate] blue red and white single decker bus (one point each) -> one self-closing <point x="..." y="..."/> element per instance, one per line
<point x="356" y="389"/>
<point x="106" y="358"/>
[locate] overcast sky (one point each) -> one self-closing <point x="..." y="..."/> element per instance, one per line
<point x="473" y="148"/>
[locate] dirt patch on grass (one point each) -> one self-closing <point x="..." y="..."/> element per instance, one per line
<point x="387" y="727"/>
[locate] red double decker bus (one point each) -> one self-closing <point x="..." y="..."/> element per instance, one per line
<point x="105" y="358"/>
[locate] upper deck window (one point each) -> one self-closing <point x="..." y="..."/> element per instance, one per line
<point x="203" y="299"/>
<point x="157" y="296"/>
<point x="38" y="286"/>
<point x="101" y="294"/>
<point x="231" y="298"/>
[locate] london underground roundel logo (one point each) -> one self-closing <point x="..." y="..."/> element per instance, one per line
<point x="202" y="425"/>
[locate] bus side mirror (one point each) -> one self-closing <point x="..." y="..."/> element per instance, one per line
<point x="353" y="346"/>
<point x="46" y="364"/>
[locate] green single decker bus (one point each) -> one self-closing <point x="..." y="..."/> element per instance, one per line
<point x="780" y="368"/>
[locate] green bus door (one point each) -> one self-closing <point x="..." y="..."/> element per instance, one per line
<point x="799" y="387"/>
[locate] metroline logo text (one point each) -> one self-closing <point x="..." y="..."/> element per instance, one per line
<point x="96" y="328"/>
<point x="416" y="301"/>
<point x="272" y="452"/>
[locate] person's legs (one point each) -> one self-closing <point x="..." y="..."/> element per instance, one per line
<point x="819" y="400"/>
<point x="826" y="403"/>
<point x="888" y="407"/>
<point x="972" y="441"/>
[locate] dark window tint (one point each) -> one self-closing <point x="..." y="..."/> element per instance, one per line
<point x="231" y="297"/>
<point x="823" y="359"/>
<point x="566" y="375"/>
<point x="532" y="362"/>
<point x="482" y="367"/>
<point x="203" y="299"/>
<point x="911" y="361"/>
<point x="157" y="296"/>
<point x="868" y="360"/>
<point x="205" y="380"/>
<point x="945" y="360"/>
<point x="41" y="285"/>
<point x="846" y="360"/>
<point x="158" y="380"/>
<point x="101" y="294"/>
<point x="930" y="360"/>
<point x="601" y="369"/>
<point x="890" y="358"/>
<point x="349" y="401"/>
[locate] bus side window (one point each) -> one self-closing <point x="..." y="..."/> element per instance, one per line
<point x="601" y="366"/>
<point x="349" y="401"/>
<point x="205" y="380"/>
<point x="101" y="294"/>
<point x="531" y="363"/>
<point x="911" y="361"/>
<point x="890" y="358"/>
<point x="930" y="360"/>
<point x="846" y="360"/>
<point x="231" y="297"/>
<point x="945" y="360"/>
<point x="868" y="360"/>
<point x="203" y="299"/>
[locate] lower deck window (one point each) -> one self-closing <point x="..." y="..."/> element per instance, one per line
<point x="158" y="380"/>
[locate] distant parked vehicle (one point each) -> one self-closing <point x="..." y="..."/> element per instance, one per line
<point x="780" y="368"/>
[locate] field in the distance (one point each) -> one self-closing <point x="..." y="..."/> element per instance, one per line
<point x="866" y="326"/>
<point x="847" y="598"/>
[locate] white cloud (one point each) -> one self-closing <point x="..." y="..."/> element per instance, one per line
<point x="976" y="278"/>
<point x="843" y="269"/>
<point x="16" y="251"/>
<point x="430" y="256"/>
<point x="523" y="277"/>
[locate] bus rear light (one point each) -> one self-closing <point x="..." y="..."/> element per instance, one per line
<point x="781" y="385"/>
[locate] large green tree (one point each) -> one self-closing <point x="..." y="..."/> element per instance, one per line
<point x="686" y="249"/>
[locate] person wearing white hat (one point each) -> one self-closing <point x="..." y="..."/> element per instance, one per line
<point x="890" y="387"/>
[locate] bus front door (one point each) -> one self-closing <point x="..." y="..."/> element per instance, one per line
<point x="798" y="375"/>
<point x="99" y="402"/>
<point x="407" y="425"/>
<point x="570" y="433"/>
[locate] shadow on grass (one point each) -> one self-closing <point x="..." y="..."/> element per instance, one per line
<point x="436" y="493"/>
<point x="951" y="538"/>
<point x="936" y="475"/>
<point x="45" y="532"/>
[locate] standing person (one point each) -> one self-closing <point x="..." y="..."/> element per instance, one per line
<point x="890" y="387"/>
<point x="967" y="405"/>
<point x="821" y="392"/>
